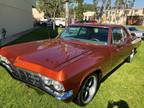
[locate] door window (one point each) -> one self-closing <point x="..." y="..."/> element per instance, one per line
<point x="118" y="35"/>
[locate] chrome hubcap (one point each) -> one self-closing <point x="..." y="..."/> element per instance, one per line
<point x="89" y="89"/>
<point x="132" y="55"/>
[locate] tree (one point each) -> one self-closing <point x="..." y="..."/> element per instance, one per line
<point x="100" y="6"/>
<point x="124" y="3"/>
<point x="120" y="4"/>
<point x="131" y="3"/>
<point x="96" y="8"/>
<point x="79" y="9"/>
<point x="51" y="8"/>
<point x="88" y="7"/>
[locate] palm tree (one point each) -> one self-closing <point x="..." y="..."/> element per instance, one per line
<point x="125" y="3"/>
<point x="95" y="2"/>
<point x="106" y="4"/>
<point x="119" y="3"/>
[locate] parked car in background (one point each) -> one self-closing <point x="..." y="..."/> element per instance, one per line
<point x="136" y="32"/>
<point x="46" y="22"/>
<point x="60" y="22"/>
<point x="87" y="22"/>
<point x="72" y="66"/>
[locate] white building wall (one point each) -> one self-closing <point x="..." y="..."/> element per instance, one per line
<point x="16" y="15"/>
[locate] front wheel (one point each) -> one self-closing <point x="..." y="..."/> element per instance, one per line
<point x="88" y="90"/>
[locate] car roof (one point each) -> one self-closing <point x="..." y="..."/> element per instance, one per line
<point x="95" y="25"/>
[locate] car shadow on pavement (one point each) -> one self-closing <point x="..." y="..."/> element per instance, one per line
<point x="117" y="104"/>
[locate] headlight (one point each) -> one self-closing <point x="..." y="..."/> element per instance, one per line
<point x="49" y="82"/>
<point x="58" y="86"/>
<point x="4" y="59"/>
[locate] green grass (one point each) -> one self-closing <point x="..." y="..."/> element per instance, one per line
<point x="124" y="87"/>
<point x="141" y="27"/>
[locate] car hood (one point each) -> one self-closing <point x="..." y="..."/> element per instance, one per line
<point x="48" y="54"/>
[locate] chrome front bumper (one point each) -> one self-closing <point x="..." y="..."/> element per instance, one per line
<point x="36" y="81"/>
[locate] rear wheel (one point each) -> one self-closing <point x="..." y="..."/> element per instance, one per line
<point x="88" y="90"/>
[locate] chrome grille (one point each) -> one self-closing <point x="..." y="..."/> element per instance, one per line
<point x="28" y="77"/>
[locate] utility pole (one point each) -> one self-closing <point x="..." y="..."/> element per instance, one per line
<point x="95" y="2"/>
<point x="125" y="15"/>
<point x="67" y="11"/>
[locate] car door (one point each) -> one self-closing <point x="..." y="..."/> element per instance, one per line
<point x="127" y="45"/>
<point x="119" y="40"/>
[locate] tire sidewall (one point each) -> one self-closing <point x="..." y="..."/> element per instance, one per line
<point x="79" y="96"/>
<point x="131" y="54"/>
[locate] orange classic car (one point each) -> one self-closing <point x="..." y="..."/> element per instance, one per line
<point x="72" y="66"/>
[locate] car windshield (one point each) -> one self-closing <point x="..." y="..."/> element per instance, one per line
<point x="132" y="28"/>
<point x="95" y="35"/>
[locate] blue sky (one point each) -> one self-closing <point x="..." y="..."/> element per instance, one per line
<point x="138" y="3"/>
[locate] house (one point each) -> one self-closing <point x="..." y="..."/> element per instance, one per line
<point x="132" y="16"/>
<point x="89" y="15"/>
<point x="119" y="16"/>
<point x="15" y="16"/>
<point x="38" y="16"/>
